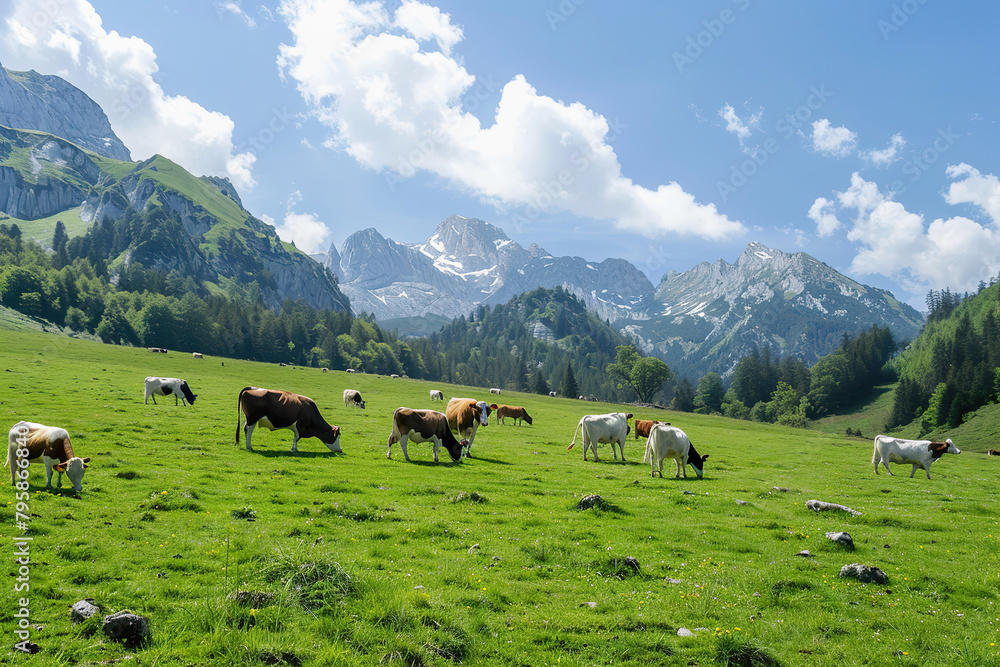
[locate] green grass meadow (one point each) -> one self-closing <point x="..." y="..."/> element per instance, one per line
<point x="267" y="558"/>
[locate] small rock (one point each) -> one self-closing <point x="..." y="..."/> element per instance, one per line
<point x="672" y="581"/>
<point x="741" y="502"/>
<point x="83" y="610"/>
<point x="689" y="493"/>
<point x="684" y="632"/>
<point x="779" y="489"/>
<point x="805" y="554"/>
<point x="866" y="574"/>
<point x="418" y="588"/>
<point x="126" y="627"/>
<point x="592" y="605"/>
<point x="632" y="563"/>
<point x="841" y="538"/>
<point x="590" y="501"/>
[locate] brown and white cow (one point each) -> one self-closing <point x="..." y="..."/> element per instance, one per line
<point x="424" y="426"/>
<point x="910" y="452"/>
<point x="465" y="415"/>
<point x="276" y="409"/>
<point x="52" y="444"/>
<point x="643" y="427"/>
<point x="352" y="398"/>
<point x="515" y="412"/>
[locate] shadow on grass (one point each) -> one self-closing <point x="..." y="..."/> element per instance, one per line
<point x="283" y="453"/>
<point x="488" y="460"/>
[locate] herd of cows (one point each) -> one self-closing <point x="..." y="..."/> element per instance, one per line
<point x="276" y="409"/>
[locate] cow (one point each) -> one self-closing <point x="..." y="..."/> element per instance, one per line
<point x="424" y="426"/>
<point x="325" y="370"/>
<point x="436" y="395"/>
<point x="666" y="441"/>
<point x="514" y="412"/>
<point x="282" y="364"/>
<point x="394" y="376"/>
<point x="992" y="452"/>
<point x="596" y="429"/>
<point x="465" y="416"/>
<point x="495" y="391"/>
<point x="552" y="394"/>
<point x="914" y="452"/>
<point x="352" y="397"/>
<point x="157" y="386"/>
<point x="276" y="409"/>
<point x="197" y="355"/>
<point x="53" y="445"/>
<point x="351" y="370"/>
<point x="643" y="427"/>
<point x="157" y="349"/>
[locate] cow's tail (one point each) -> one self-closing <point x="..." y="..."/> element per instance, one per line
<point x="575" y="431"/>
<point x="239" y="417"/>
<point x="875" y="456"/>
<point x="647" y="455"/>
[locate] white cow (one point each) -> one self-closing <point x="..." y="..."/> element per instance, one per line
<point x="552" y="393"/>
<point x="914" y="452"/>
<point x="352" y="398"/>
<point x="157" y="386"/>
<point x="436" y="395"/>
<point x="667" y="441"/>
<point x="494" y="391"/>
<point x="197" y="355"/>
<point x="596" y="429"/>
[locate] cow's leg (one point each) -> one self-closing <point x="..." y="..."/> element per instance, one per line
<point x="153" y="396"/>
<point x="437" y="447"/>
<point x="295" y="438"/>
<point x="928" y="469"/>
<point x="391" y="442"/>
<point x="48" y="474"/>
<point x="402" y="443"/>
<point x="912" y="472"/>
<point x="247" y="431"/>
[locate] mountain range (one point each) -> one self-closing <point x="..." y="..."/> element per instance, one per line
<point x="60" y="160"/>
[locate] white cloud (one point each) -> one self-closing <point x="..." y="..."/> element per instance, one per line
<point x="397" y="108"/>
<point x="305" y="230"/>
<point x="233" y="7"/>
<point x="975" y="188"/>
<point x="741" y="128"/>
<point x="954" y="252"/>
<point x="117" y="72"/>
<point x="887" y="155"/>
<point x="821" y="212"/>
<point x="833" y="141"/>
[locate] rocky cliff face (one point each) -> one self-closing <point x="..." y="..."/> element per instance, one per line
<point x="33" y="101"/>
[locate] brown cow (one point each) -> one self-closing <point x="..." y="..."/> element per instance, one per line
<point x="515" y="412"/>
<point x="643" y="427"/>
<point x="424" y="426"/>
<point x="465" y="416"/>
<point x="275" y="409"/>
<point x="53" y="445"/>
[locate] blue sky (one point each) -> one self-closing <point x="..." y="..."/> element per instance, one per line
<point x="861" y="132"/>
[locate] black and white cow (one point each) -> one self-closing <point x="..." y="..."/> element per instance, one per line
<point x="157" y="386"/>
<point x="352" y="398"/>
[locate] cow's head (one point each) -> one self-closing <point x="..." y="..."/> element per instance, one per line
<point x="186" y="391"/>
<point x="939" y="449"/>
<point x="458" y="450"/>
<point x="527" y="418"/>
<point x="74" y="469"/>
<point x="361" y="404"/>
<point x="697" y="461"/>
<point x="484" y="413"/>
<point x="332" y="439"/>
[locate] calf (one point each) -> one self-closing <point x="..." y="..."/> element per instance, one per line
<point x="424" y="426"/>
<point x="436" y="395"/>
<point x="157" y="386"/>
<point x="514" y="412"/>
<point x="643" y="427"/>
<point x="28" y="441"/>
<point x="914" y="452"/>
<point x="352" y="397"/>
<point x="465" y="415"/>
<point x="596" y="429"/>
<point x="275" y="409"/>
<point x="669" y="441"/>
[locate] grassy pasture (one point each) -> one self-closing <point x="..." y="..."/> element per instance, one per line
<point x="354" y="559"/>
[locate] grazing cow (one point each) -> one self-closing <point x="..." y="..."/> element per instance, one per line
<point x="282" y="364"/>
<point x="325" y="370"/>
<point x="666" y="441"/>
<point x="351" y="370"/>
<point x="465" y="416"/>
<point x="552" y="394"/>
<point x="275" y="409"/>
<point x="495" y="391"/>
<point x="394" y="376"/>
<point x="197" y="355"/>
<point x="157" y="386"/>
<point x="596" y="429"/>
<point x="424" y="426"/>
<point x="53" y="445"/>
<point x="643" y="427"/>
<point x="436" y="395"/>
<point x="992" y="452"/>
<point x="352" y="397"/>
<point x="915" y="452"/>
<point x="581" y="397"/>
<point x="514" y="412"/>
<point x="157" y="349"/>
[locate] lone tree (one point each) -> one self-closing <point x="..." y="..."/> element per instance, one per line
<point x="568" y="387"/>
<point x="645" y="375"/>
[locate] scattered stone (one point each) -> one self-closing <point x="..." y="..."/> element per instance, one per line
<point x="83" y="610"/>
<point x="474" y="548"/>
<point x="819" y="506"/>
<point x="841" y="538"/>
<point x="418" y="588"/>
<point x="593" y="500"/>
<point x="673" y="581"/>
<point x="126" y="627"/>
<point x="741" y="502"/>
<point x="805" y="554"/>
<point x="684" y="632"/>
<point x="866" y="574"/>
<point x="632" y="563"/>
<point x="689" y="493"/>
<point x="592" y="605"/>
<point x="779" y="489"/>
